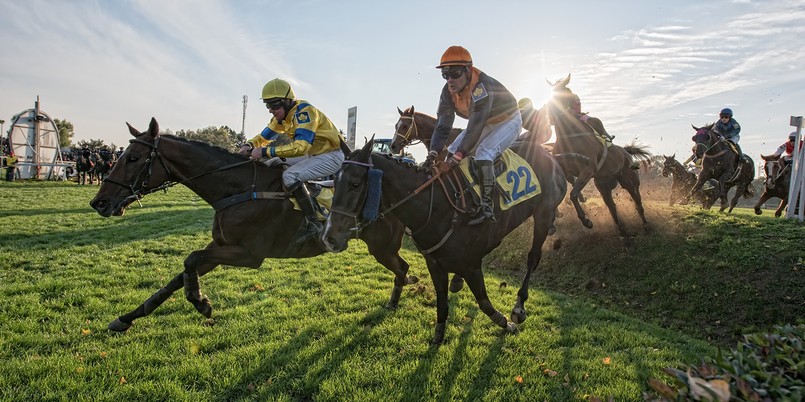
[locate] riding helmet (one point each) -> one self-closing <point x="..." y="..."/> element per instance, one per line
<point x="455" y="56"/>
<point x="726" y="111"/>
<point x="277" y="89"/>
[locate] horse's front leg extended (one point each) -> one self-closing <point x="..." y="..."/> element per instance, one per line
<point x="781" y="208"/>
<point x="696" y="187"/>
<point x="576" y="196"/>
<point x="475" y="281"/>
<point x="534" y="256"/>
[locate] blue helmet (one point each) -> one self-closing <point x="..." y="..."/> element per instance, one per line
<point x="726" y="112"/>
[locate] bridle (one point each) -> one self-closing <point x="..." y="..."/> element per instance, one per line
<point x="412" y="129"/>
<point x="708" y="148"/>
<point x="147" y="170"/>
<point x="361" y="223"/>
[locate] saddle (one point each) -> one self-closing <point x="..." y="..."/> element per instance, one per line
<point x="515" y="182"/>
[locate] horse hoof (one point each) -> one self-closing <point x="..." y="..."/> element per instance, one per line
<point x="411" y="279"/>
<point x="456" y="284"/>
<point x="587" y="223"/>
<point x="204" y="307"/>
<point x="511" y="327"/>
<point x="758" y="211"/>
<point x="118" y="326"/>
<point x="391" y="306"/>
<point x="551" y="230"/>
<point x="518" y="316"/>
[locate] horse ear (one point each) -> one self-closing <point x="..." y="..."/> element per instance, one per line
<point x="694" y="127"/>
<point x="153" y="127"/>
<point x="673" y="156"/>
<point x="399" y="111"/>
<point x="566" y="80"/>
<point x="412" y="109"/>
<point x="133" y="130"/>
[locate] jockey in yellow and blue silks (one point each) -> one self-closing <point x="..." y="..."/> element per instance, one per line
<point x="312" y="135"/>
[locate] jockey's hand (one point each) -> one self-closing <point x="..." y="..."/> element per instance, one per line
<point x="452" y="162"/>
<point x="245" y="150"/>
<point x="257" y="153"/>
<point x="430" y="160"/>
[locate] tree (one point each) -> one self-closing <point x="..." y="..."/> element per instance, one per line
<point x="223" y="137"/>
<point x="91" y="144"/>
<point x="65" y="132"/>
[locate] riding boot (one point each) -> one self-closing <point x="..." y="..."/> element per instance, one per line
<point x="486" y="211"/>
<point x="310" y="227"/>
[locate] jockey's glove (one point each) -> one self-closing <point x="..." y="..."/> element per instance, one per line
<point x="430" y="159"/>
<point x="452" y="162"/>
<point x="245" y="150"/>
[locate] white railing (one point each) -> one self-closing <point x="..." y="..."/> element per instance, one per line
<point x="796" y="194"/>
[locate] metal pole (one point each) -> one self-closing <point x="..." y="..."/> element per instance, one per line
<point x="796" y="192"/>
<point x="243" y="124"/>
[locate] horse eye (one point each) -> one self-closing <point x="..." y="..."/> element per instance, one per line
<point x="355" y="185"/>
<point x="133" y="158"/>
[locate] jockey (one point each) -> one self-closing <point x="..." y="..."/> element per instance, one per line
<point x="537" y="130"/>
<point x="312" y="135"/>
<point x="729" y="129"/>
<point x="494" y="122"/>
<point x="788" y="148"/>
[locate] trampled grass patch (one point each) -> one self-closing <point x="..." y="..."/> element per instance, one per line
<point x="603" y="318"/>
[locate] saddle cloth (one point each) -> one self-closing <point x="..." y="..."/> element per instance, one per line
<point x="515" y="181"/>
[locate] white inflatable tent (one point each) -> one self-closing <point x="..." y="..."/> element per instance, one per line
<point x="34" y="139"/>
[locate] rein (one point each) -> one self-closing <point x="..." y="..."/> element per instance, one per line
<point x="138" y="194"/>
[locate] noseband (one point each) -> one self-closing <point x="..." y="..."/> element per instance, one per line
<point x="412" y="129"/>
<point x="145" y="172"/>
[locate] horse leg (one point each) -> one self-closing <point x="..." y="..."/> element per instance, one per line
<point x="213" y="255"/>
<point x="630" y="181"/>
<point x="605" y="187"/>
<point x="125" y="321"/>
<point x="576" y="197"/>
<point x="763" y="198"/>
<point x="439" y="278"/>
<point x="781" y="208"/>
<point x="723" y="190"/>
<point x="394" y="263"/>
<point x="475" y="281"/>
<point x="740" y="190"/>
<point x="541" y="229"/>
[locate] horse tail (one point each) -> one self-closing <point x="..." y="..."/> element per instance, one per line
<point x="639" y="153"/>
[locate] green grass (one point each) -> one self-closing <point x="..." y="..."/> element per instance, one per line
<point x="316" y="329"/>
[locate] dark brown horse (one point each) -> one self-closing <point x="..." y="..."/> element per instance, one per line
<point x="722" y="163"/>
<point x="254" y="218"/>
<point x="415" y="127"/>
<point x="422" y="201"/>
<point x="684" y="180"/>
<point x="85" y="169"/>
<point x="777" y="185"/>
<point x="608" y="166"/>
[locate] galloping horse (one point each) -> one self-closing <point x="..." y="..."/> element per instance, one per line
<point x="608" y="165"/>
<point x="439" y="231"/>
<point x="684" y="180"/>
<point x="252" y="213"/>
<point x="415" y="127"/>
<point x="84" y="166"/>
<point x="720" y="162"/>
<point x="778" y="182"/>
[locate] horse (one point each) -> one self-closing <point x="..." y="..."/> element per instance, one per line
<point x="438" y="224"/>
<point x="722" y="163"/>
<point x="608" y="166"/>
<point x="84" y="167"/>
<point x="102" y="169"/>
<point x="778" y="182"/>
<point x="414" y="127"/>
<point x="683" y="181"/>
<point x="253" y="213"/>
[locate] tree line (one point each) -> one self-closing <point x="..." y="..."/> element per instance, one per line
<point x="222" y="136"/>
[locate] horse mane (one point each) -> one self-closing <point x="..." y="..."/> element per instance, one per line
<point x="223" y="153"/>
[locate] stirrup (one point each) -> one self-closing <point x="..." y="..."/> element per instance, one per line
<point x="484" y="214"/>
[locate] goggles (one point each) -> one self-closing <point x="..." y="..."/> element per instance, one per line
<point x="275" y="104"/>
<point x="452" y="73"/>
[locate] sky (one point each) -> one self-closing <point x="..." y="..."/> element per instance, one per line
<point x="648" y="69"/>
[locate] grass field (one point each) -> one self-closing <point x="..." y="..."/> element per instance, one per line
<point x="603" y="318"/>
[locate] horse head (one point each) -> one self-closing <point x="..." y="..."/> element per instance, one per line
<point x="772" y="167"/>
<point x="705" y="138"/>
<point x="669" y="165"/>
<point x="562" y="100"/>
<point x="405" y="131"/>
<point x="134" y="175"/>
<point x="346" y="215"/>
